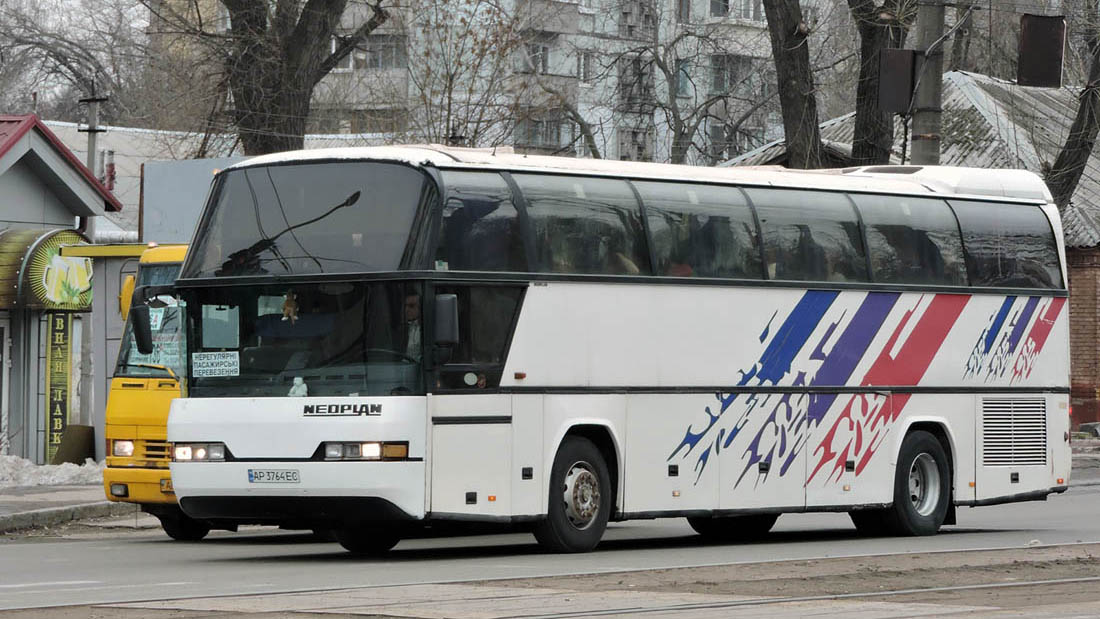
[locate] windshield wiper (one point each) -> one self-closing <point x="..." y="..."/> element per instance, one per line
<point x="245" y="260"/>
<point x="152" y="366"/>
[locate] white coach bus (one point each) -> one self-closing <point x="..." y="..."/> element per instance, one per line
<point x="389" y="338"/>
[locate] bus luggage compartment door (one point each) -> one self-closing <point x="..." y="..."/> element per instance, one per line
<point x="471" y="456"/>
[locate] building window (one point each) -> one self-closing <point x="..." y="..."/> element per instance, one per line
<point x="636" y="84"/>
<point x="683" y="78"/>
<point x="345" y="63"/>
<point x="539" y="131"/>
<point x="379" y="121"/>
<point x="638" y="19"/>
<point x="719" y="8"/>
<point x="751" y="9"/>
<point x="538" y="57"/>
<point x="381" y="51"/>
<point x="728" y="70"/>
<point x="637" y="144"/>
<point x="683" y="11"/>
<point x="586" y="66"/>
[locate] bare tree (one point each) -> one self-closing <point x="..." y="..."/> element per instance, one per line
<point x="273" y="54"/>
<point x="1063" y="176"/>
<point x="66" y="51"/>
<point x="797" y="94"/>
<point x="881" y="26"/>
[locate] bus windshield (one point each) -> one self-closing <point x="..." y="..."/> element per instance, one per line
<point x="329" y="339"/>
<point x="168" y="331"/>
<point x="307" y="218"/>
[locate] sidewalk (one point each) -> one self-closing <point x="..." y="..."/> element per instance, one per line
<point x="24" y="507"/>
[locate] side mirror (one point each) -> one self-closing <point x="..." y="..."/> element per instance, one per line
<point x="143" y="331"/>
<point x="446" y="319"/>
<point x="126" y="295"/>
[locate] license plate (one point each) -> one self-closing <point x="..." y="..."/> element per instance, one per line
<point x="273" y="476"/>
<point x="166" y="486"/>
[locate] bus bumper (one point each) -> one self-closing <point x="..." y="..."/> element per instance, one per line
<point x="141" y="485"/>
<point x="339" y="493"/>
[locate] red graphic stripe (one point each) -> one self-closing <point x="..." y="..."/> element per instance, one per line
<point x="1036" y="338"/>
<point x="907" y="368"/>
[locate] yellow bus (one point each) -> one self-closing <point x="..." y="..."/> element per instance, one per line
<point x="141" y="391"/>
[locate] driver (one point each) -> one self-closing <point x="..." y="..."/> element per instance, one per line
<point x="412" y="325"/>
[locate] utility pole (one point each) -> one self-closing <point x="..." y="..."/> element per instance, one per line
<point x="86" y="391"/>
<point x="927" y="100"/>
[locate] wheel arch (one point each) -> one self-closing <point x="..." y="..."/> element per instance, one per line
<point x="604" y="437"/>
<point x="941" y="430"/>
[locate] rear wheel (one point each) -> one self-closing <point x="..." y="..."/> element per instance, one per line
<point x="183" y="528"/>
<point x="580" y="498"/>
<point x="367" y="541"/>
<point x="922" y="486"/>
<point x="734" y="528"/>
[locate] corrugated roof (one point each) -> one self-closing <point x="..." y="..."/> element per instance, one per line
<point x="991" y="123"/>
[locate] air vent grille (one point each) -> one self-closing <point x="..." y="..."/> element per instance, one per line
<point x="1014" y="431"/>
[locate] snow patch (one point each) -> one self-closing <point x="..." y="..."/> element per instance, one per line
<point x="15" y="471"/>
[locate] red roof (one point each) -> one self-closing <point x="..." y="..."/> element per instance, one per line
<point x="13" y="128"/>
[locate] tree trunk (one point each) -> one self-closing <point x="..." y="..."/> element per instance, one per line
<point x="960" y="42"/>
<point x="1063" y="176"/>
<point x="879" y="28"/>
<point x="790" y="49"/>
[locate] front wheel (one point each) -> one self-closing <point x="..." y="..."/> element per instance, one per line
<point x="922" y="486"/>
<point x="580" y="499"/>
<point x="183" y="528"/>
<point x="734" y="528"/>
<point x="367" y="541"/>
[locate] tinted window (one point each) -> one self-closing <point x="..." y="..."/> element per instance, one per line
<point x="701" y="230"/>
<point x="912" y="240"/>
<point x="809" y="235"/>
<point x="480" y="230"/>
<point x="1009" y="245"/>
<point x="328" y="217"/>
<point x="485" y="316"/>
<point x="584" y="225"/>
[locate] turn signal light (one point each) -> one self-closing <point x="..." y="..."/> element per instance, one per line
<point x="366" y="451"/>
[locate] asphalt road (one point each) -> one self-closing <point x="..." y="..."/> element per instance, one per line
<point x="90" y="568"/>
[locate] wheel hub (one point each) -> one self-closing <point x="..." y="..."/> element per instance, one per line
<point x="924" y="484"/>
<point x="581" y="495"/>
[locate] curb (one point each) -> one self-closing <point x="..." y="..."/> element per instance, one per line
<point x="59" y="515"/>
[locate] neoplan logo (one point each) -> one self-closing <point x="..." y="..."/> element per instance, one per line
<point x="341" y="410"/>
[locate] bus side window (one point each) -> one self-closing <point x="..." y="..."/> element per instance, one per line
<point x="809" y="236"/>
<point x="1008" y="245"/>
<point x="701" y="230"/>
<point x="480" y="228"/>
<point x="485" y="317"/>
<point x="585" y="225"/>
<point x="912" y="240"/>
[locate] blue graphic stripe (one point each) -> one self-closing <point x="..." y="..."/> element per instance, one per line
<point x="1021" y="323"/>
<point x="773" y="366"/>
<point x="998" y="322"/>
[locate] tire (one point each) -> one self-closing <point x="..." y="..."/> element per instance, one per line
<point x="922" y="487"/>
<point x="870" y="522"/>
<point x="367" y="541"/>
<point x="183" y="528"/>
<point x="580" y="499"/>
<point x="734" y="528"/>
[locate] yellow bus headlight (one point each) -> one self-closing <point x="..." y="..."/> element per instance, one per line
<point x="122" y="449"/>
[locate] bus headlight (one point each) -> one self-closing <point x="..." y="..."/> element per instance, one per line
<point x="199" y="452"/>
<point x="122" y="449"/>
<point x="366" y="451"/>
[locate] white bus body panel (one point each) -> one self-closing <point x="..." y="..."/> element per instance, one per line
<point x="274" y="433"/>
<point x="893" y="360"/>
